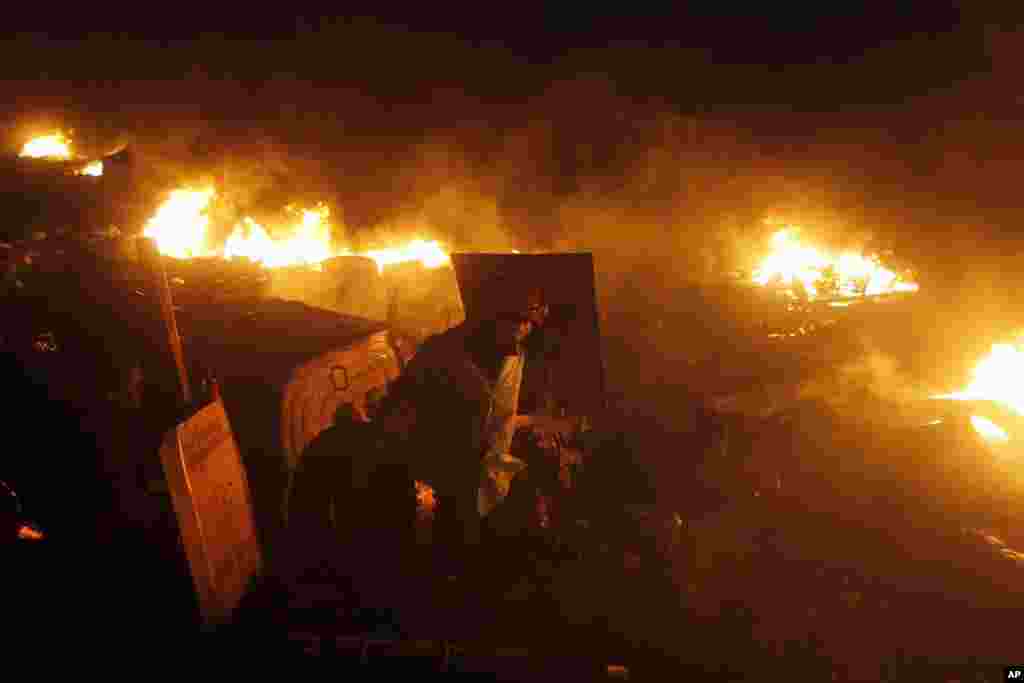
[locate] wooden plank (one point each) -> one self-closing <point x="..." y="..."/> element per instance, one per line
<point x="153" y="259"/>
<point x="210" y="491"/>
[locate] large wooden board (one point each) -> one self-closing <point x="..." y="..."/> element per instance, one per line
<point x="490" y="284"/>
<point x="211" y="497"/>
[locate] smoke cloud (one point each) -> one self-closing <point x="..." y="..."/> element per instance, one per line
<point x="668" y="194"/>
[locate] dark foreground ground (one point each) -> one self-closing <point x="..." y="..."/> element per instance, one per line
<point x="837" y="577"/>
<point x="808" y="600"/>
<point x="759" y="586"/>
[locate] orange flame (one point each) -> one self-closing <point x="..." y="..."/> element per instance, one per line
<point x="997" y="377"/>
<point x="791" y="263"/>
<point x="426" y="502"/>
<point x="180" y="228"/>
<point x="430" y="254"/>
<point x="989" y="430"/>
<point x="54" y="146"/>
<point x="308" y="243"/>
<point x="94" y="169"/>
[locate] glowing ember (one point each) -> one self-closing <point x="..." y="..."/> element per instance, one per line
<point x="27" y="532"/>
<point x="819" y="273"/>
<point x="430" y="254"/>
<point x="56" y="146"/>
<point x="426" y="502"/>
<point x="94" y="169"/>
<point x="179" y="225"/>
<point x="989" y="430"/>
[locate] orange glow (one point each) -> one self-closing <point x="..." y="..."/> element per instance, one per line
<point x="997" y="377"/>
<point x="793" y="264"/>
<point x="307" y="242"/>
<point x="179" y="226"/>
<point x="55" y="146"/>
<point x="29" y="533"/>
<point x="989" y="430"/>
<point x="430" y="254"/>
<point x="94" y="169"/>
<point x="426" y="502"/>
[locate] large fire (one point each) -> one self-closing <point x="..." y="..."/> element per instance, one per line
<point x="998" y="377"/>
<point x="180" y="227"/>
<point x="306" y="243"/>
<point x="57" y="147"/>
<point x="54" y="146"/>
<point x="430" y="254"/>
<point x="821" y="274"/>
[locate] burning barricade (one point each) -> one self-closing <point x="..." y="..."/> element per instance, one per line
<point x="811" y="274"/>
<point x="410" y="285"/>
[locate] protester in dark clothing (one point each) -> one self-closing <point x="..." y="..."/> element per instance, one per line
<point x="332" y="472"/>
<point x="447" y="382"/>
<point x="451" y="382"/>
<point x="353" y="504"/>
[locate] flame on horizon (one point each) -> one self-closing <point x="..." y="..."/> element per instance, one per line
<point x="55" y="146"/>
<point x="997" y="377"/>
<point x="430" y="254"/>
<point x="181" y="224"/>
<point x="822" y="274"/>
<point x="308" y="242"/>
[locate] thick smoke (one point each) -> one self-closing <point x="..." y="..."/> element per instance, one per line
<point x="668" y="196"/>
<point x="871" y="386"/>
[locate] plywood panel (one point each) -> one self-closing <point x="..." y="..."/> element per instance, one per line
<point x="210" y="490"/>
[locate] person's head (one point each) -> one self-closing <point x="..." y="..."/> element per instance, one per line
<point x="536" y="309"/>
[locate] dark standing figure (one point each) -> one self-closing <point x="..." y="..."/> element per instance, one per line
<point x="326" y="495"/>
<point x="451" y="382"/>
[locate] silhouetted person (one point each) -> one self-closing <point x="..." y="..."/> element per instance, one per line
<point x="353" y="503"/>
<point x="451" y="382"/>
<point x="325" y="490"/>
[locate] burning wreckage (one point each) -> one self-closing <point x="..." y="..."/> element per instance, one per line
<point x="826" y="464"/>
<point x="284" y="366"/>
<point x="91" y="309"/>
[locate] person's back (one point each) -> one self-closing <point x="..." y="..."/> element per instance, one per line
<point x="322" y="490"/>
<point x="352" y="504"/>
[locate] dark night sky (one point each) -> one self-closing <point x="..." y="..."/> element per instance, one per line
<point x="700" y="56"/>
<point x="855" y="89"/>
